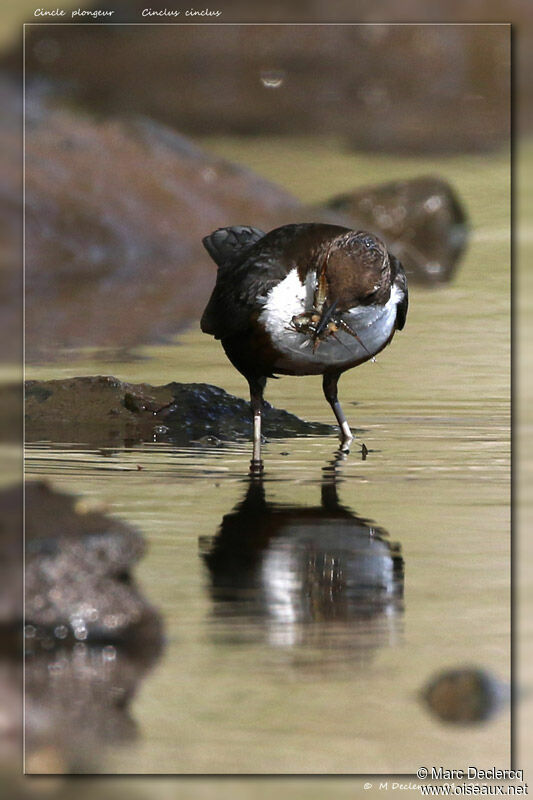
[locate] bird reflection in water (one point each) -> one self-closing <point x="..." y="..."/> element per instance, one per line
<point x="316" y="577"/>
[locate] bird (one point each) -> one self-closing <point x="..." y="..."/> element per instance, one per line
<point x="302" y="299"/>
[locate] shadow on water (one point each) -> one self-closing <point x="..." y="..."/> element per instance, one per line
<point x="316" y="578"/>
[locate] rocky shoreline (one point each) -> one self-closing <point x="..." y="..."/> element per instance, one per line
<point x="103" y="409"/>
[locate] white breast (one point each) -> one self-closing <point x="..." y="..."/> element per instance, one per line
<point x="373" y="325"/>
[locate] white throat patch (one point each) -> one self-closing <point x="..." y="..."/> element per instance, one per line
<point x="285" y="301"/>
<point x="289" y="298"/>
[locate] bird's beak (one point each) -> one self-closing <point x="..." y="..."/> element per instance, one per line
<point x="327" y="314"/>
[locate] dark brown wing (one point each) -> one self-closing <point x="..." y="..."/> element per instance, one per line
<point x="241" y="291"/>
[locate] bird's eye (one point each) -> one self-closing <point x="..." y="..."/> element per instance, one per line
<point x="368" y="241"/>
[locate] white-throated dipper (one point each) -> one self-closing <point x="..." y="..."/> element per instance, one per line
<point x="304" y="299"/>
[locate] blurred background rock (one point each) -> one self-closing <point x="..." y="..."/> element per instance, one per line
<point x="343" y="80"/>
<point x="367" y="83"/>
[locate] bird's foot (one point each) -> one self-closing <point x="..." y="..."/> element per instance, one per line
<point x="346" y="441"/>
<point x="344" y="449"/>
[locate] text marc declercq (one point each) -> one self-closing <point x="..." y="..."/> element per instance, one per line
<point x="440" y="773"/>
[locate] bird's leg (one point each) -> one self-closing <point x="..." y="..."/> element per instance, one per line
<point x="329" y="385"/>
<point x="257" y="386"/>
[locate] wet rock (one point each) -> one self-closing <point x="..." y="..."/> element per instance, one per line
<point x="91" y="409"/>
<point x="199" y="409"/>
<point x="103" y="409"/>
<point x="368" y="84"/>
<point x="90" y="635"/>
<point x="115" y="214"/>
<point x="465" y="695"/>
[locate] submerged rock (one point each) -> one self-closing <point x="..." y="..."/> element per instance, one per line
<point x="115" y="215"/>
<point x="103" y="409"/>
<point x="465" y="695"/>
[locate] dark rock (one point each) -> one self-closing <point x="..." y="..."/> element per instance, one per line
<point x="384" y="87"/>
<point x="103" y="410"/>
<point x="198" y="410"/>
<point x="116" y="211"/>
<point x="465" y="695"/>
<point x="91" y="409"/>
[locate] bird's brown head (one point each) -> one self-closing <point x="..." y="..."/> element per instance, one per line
<point x="357" y="268"/>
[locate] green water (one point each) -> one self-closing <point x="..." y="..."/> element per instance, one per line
<point x="244" y="693"/>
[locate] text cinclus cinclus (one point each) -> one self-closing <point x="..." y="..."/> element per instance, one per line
<point x="307" y="299"/>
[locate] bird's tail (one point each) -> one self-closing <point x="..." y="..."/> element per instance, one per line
<point x="224" y="243"/>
